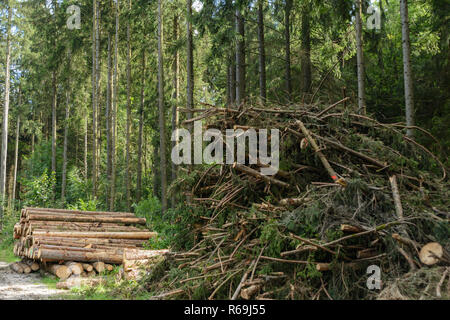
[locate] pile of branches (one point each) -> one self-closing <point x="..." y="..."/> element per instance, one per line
<point x="350" y="192"/>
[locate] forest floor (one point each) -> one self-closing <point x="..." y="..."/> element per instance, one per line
<point x="14" y="286"/>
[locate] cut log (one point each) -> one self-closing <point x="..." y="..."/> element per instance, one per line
<point x="58" y="255"/>
<point x="75" y="267"/>
<point x="65" y="255"/>
<point x="351" y="229"/>
<point x="321" y="156"/>
<point x="249" y="292"/>
<point x="109" y="267"/>
<point x="111" y="250"/>
<point x="254" y="173"/>
<point x="87" y="267"/>
<point x="85" y="241"/>
<point x="17" y="232"/>
<point x="71" y="227"/>
<point x="293" y="201"/>
<point x="85" y="218"/>
<point x="322" y="266"/>
<point x="99" y="266"/>
<point x="75" y="244"/>
<point x="16" y="267"/>
<point x="137" y="254"/>
<point x="66" y="211"/>
<point x="61" y="271"/>
<point x="366" y="253"/>
<point x="431" y="253"/>
<point x="25" y="267"/>
<point x="32" y="264"/>
<point x="91" y="273"/>
<point x="107" y="235"/>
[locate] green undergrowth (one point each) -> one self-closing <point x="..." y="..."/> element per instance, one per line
<point x="10" y="217"/>
<point x="49" y="280"/>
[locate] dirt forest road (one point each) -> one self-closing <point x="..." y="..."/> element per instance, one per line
<point x="14" y="286"/>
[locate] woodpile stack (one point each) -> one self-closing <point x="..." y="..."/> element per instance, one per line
<point x="78" y="242"/>
<point x="136" y="261"/>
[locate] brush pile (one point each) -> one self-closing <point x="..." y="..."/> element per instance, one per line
<point x="85" y="241"/>
<point x="350" y="192"/>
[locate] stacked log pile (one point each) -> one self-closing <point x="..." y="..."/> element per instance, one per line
<point x="78" y="242"/>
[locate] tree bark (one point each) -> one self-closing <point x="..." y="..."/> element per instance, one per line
<point x="306" y="49"/>
<point x="360" y="59"/>
<point x="86" y="147"/>
<point x="287" y="39"/>
<point x="114" y="114"/>
<point x="16" y="152"/>
<point x="108" y="118"/>
<point x="262" y="53"/>
<point x="240" y="58"/>
<point x="232" y="68"/>
<point x="407" y="72"/>
<point x="66" y="133"/>
<point x="61" y="271"/>
<point x="94" y="98"/>
<point x="57" y="255"/>
<point x="162" y="134"/>
<point x="189" y="62"/>
<point x="98" y="93"/>
<point x="176" y="90"/>
<point x="102" y="235"/>
<point x="141" y="132"/>
<point x="54" y="98"/>
<point x="85" y="218"/>
<point x="128" y="130"/>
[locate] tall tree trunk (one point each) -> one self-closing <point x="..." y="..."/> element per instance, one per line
<point x="141" y="132"/>
<point x="98" y="88"/>
<point x="240" y="58"/>
<point x="33" y="135"/>
<point x="228" y="85"/>
<point x="232" y="68"/>
<point x="94" y="99"/>
<point x="54" y="102"/>
<point x="16" y="159"/>
<point x="108" y="121"/>
<point x="189" y="62"/>
<point x="407" y="73"/>
<point x="287" y="43"/>
<point x="360" y="59"/>
<point x="175" y="94"/>
<point x="262" y="52"/>
<point x="16" y="152"/>
<point x="114" y="114"/>
<point x="54" y="107"/>
<point x="86" y="121"/>
<point x="66" y="132"/>
<point x="306" y="48"/>
<point x="4" y="151"/>
<point x="128" y="133"/>
<point x="162" y="134"/>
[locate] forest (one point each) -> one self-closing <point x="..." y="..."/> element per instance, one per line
<point x="93" y="92"/>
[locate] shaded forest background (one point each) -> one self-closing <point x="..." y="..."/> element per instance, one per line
<point x="88" y="111"/>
